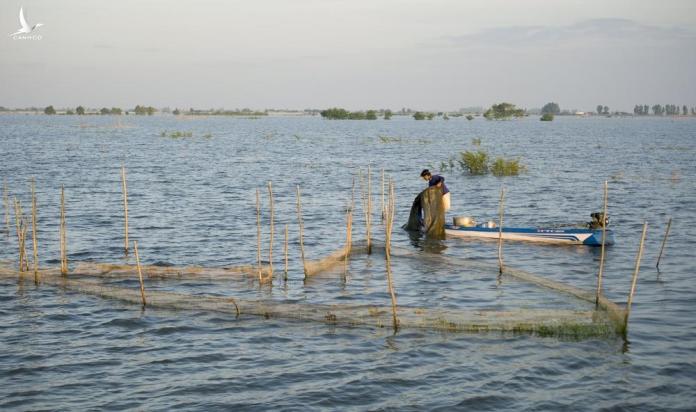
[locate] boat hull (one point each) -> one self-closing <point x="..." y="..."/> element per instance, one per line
<point x="587" y="237"/>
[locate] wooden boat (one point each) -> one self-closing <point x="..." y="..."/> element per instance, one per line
<point x="570" y="236"/>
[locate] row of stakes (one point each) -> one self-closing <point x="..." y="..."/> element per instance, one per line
<point x="387" y="213"/>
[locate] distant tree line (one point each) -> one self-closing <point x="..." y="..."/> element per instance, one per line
<point x="337" y="113"/>
<point x="660" y="110"/>
<point x="80" y="110"/>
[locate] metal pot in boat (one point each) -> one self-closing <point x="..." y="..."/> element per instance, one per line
<point x="466" y="221"/>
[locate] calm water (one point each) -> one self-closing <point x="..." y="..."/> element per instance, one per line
<point x="192" y="201"/>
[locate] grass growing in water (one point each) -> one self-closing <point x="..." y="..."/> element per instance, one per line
<point x="388" y="139"/>
<point x="178" y="134"/>
<point x="506" y="167"/>
<point x="476" y="163"/>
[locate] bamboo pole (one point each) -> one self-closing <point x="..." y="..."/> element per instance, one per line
<point x="63" y="235"/>
<point x="270" y="243"/>
<point x="34" y="239"/>
<point x="285" y="278"/>
<point x="500" y="230"/>
<point x="21" y="224"/>
<point x="299" y="219"/>
<point x="18" y="225"/>
<point x="664" y="241"/>
<point x="384" y="212"/>
<point x="369" y="209"/>
<point x="390" y="280"/>
<point x="634" y="279"/>
<point x="258" y="234"/>
<point x="604" y="237"/>
<point x="124" y="187"/>
<point x="6" y="202"/>
<point x="363" y="203"/>
<point x="140" y="272"/>
<point x="349" y="230"/>
<point x="25" y="226"/>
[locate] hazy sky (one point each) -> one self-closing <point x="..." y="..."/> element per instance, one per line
<point x="438" y="54"/>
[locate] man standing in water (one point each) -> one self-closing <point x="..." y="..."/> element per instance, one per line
<point x="439" y="181"/>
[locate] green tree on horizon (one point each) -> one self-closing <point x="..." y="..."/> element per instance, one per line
<point x="551" y="108"/>
<point x="49" y="110"/>
<point x="502" y="111"/>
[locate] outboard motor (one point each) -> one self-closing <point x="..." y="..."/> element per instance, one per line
<point x="598" y="220"/>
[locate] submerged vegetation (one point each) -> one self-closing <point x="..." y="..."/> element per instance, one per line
<point x="474" y="163"/>
<point x="178" y="134"/>
<point x="478" y="163"/>
<point x="503" y="111"/>
<point x="337" y="113"/>
<point x="423" y="115"/>
<point x="506" y="167"/>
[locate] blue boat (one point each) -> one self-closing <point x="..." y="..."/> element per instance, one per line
<point x="571" y="236"/>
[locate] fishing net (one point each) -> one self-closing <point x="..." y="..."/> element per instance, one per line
<point x="545" y="322"/>
<point x="428" y="214"/>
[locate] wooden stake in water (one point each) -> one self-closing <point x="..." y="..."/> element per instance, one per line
<point x="124" y="187"/>
<point x="500" y="230"/>
<point x="369" y="209"/>
<point x="34" y="239"/>
<point x="6" y="202"/>
<point x="349" y="230"/>
<point x="634" y="280"/>
<point x="286" y="253"/>
<point x="664" y="241"/>
<point x="20" y="222"/>
<point x="390" y="280"/>
<point x="140" y="272"/>
<point x="384" y="212"/>
<point x="299" y="219"/>
<point x="63" y="235"/>
<point x="258" y="233"/>
<point x="270" y="243"/>
<point x="604" y="236"/>
<point x="18" y="226"/>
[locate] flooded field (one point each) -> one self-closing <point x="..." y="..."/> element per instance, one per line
<point x="192" y="192"/>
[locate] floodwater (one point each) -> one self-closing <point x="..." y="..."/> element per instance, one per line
<point x="192" y="202"/>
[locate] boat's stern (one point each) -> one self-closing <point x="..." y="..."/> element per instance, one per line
<point x="596" y="238"/>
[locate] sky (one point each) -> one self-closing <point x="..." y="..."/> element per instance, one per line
<point x="357" y="54"/>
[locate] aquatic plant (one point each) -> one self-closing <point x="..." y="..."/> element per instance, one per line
<point x="177" y="134"/>
<point x="475" y="163"/>
<point x="476" y="141"/>
<point x="506" y="167"/>
<point x="423" y="116"/>
<point x="388" y="139"/>
<point x="336" y="113"/>
<point x="547" y="117"/>
<point x="469" y="117"/>
<point x="503" y="111"/>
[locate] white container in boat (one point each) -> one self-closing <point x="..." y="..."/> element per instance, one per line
<point x="491" y="224"/>
<point x="466" y="221"/>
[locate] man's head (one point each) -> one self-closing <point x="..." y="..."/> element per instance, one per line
<point x="425" y="174"/>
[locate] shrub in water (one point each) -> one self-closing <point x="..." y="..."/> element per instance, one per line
<point x="476" y="163"/>
<point x="506" y="167"/>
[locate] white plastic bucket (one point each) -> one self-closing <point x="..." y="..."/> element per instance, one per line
<point x="446" y="201"/>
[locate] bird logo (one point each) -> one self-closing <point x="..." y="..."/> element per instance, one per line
<point x="25" y="29"/>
